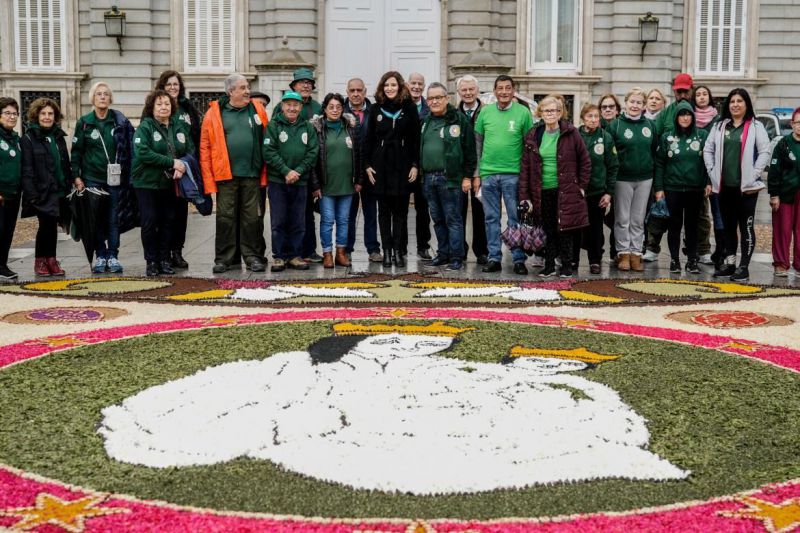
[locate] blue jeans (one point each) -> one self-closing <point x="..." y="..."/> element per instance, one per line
<point x="287" y="213"/>
<point x="369" y="206"/>
<point x="494" y="188"/>
<point x="445" y="208"/>
<point x="107" y="243"/>
<point x="334" y="208"/>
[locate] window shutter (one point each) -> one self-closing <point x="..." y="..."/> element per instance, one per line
<point x="208" y="35"/>
<point x="39" y="33"/>
<point x="720" y="37"/>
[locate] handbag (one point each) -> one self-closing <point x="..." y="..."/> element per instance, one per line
<point x="658" y="210"/>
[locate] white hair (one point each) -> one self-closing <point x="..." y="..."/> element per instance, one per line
<point x="466" y="78"/>
<point x="232" y="80"/>
<point x="96" y="86"/>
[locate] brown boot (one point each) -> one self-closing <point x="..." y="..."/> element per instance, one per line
<point x="40" y="267"/>
<point x="341" y="257"/>
<point x="636" y="263"/>
<point x="327" y="259"/>
<point x="624" y="262"/>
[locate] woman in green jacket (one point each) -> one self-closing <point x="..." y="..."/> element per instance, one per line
<point x="635" y="140"/>
<point x="784" y="199"/>
<point x="159" y="143"/>
<point x="680" y="177"/>
<point x="10" y="161"/>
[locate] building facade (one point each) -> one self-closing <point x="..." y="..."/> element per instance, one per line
<point x="581" y="48"/>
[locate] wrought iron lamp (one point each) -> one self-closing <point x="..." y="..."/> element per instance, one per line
<point x="115" y="25"/>
<point x="648" y="30"/>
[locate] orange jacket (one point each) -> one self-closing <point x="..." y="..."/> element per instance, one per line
<point x="214" y="161"/>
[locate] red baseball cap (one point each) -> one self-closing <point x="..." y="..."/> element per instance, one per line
<point x="682" y="81"/>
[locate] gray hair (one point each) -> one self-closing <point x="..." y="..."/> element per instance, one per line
<point x="437" y="85"/>
<point x="232" y="80"/>
<point x="466" y="78"/>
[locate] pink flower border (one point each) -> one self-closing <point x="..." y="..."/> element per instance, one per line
<point x="19" y="489"/>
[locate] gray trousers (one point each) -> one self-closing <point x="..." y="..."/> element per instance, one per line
<point x="630" y="208"/>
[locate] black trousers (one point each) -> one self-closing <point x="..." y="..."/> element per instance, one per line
<point x="310" y="236"/>
<point x="46" y="235"/>
<point x="157" y="217"/>
<point x="684" y="213"/>
<point x="9" y="210"/>
<point x="608" y="220"/>
<point x="393" y="222"/>
<point x="738" y="212"/>
<point x="591" y="236"/>
<point x="180" y="206"/>
<point x="559" y="243"/>
<point x="422" y="219"/>
<point x="478" y="241"/>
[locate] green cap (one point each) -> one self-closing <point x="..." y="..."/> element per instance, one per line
<point x="291" y="95"/>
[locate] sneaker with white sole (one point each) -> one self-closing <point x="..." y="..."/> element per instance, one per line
<point x="114" y="265"/>
<point x="705" y="259"/>
<point x="650" y="256"/>
<point x="99" y="265"/>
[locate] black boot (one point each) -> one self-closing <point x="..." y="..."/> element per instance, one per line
<point x="165" y="268"/>
<point x="177" y="260"/>
<point x="152" y="269"/>
<point x="399" y="259"/>
<point x="388" y="256"/>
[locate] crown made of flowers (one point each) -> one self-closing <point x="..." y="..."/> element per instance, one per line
<point x="575" y="354"/>
<point x="438" y="329"/>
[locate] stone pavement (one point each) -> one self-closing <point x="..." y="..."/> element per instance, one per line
<point x="199" y="252"/>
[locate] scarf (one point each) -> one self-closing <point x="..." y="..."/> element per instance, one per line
<point x="703" y="117"/>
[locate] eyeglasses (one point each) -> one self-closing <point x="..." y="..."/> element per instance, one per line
<point x="436" y="98"/>
<point x="11" y="114"/>
<point x="612" y="106"/>
<point x="795" y="123"/>
<point x="550" y="111"/>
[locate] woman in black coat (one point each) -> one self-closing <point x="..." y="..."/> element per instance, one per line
<point x="46" y="180"/>
<point x="391" y="158"/>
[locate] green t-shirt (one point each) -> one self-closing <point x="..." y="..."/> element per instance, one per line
<point x="339" y="162"/>
<point x="731" y="156"/>
<point x="243" y="152"/>
<point x="503" y="133"/>
<point x="547" y="151"/>
<point x="433" y="145"/>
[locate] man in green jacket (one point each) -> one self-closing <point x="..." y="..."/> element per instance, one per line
<point x="290" y="150"/>
<point x="448" y="159"/>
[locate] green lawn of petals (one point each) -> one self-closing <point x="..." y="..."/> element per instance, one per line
<point x="731" y="421"/>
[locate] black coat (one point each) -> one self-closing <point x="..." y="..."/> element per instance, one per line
<point x="40" y="190"/>
<point x="391" y="147"/>
<point x="319" y="175"/>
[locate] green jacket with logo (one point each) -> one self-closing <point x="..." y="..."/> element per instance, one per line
<point x="783" y="179"/>
<point x="290" y="146"/>
<point x="152" y="159"/>
<point x="636" y="145"/>
<point x="679" y="156"/>
<point x="88" y="157"/>
<point x="10" y="162"/>
<point x="459" y="146"/>
<point x="605" y="164"/>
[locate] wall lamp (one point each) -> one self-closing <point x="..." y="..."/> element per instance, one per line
<point x="115" y="25"/>
<point x="648" y="30"/>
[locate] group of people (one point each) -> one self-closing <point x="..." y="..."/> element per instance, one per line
<point x="349" y="155"/>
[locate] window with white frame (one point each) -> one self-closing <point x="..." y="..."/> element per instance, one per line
<point x="39" y="35"/>
<point x="554" y="31"/>
<point x="720" y="37"/>
<point x="208" y="36"/>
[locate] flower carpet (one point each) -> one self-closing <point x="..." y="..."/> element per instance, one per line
<point x="401" y="404"/>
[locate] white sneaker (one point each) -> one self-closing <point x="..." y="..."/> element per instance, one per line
<point x="650" y="256"/>
<point x="705" y="259"/>
<point x="537" y="261"/>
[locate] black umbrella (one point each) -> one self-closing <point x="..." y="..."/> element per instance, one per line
<point x="89" y="209"/>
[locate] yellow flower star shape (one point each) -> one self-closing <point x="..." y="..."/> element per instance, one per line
<point x="777" y="517"/>
<point x="744" y="346"/>
<point x="222" y="321"/>
<point x="66" y="514"/>
<point x="577" y="323"/>
<point x="61" y="342"/>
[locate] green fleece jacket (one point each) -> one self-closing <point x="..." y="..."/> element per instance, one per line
<point x="784" y="170"/>
<point x="636" y="145"/>
<point x="89" y="159"/>
<point x="460" y="157"/>
<point x="10" y="162"/>
<point x="679" y="157"/>
<point x="605" y="164"/>
<point x="290" y="146"/>
<point x="151" y="153"/>
<point x="665" y="121"/>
